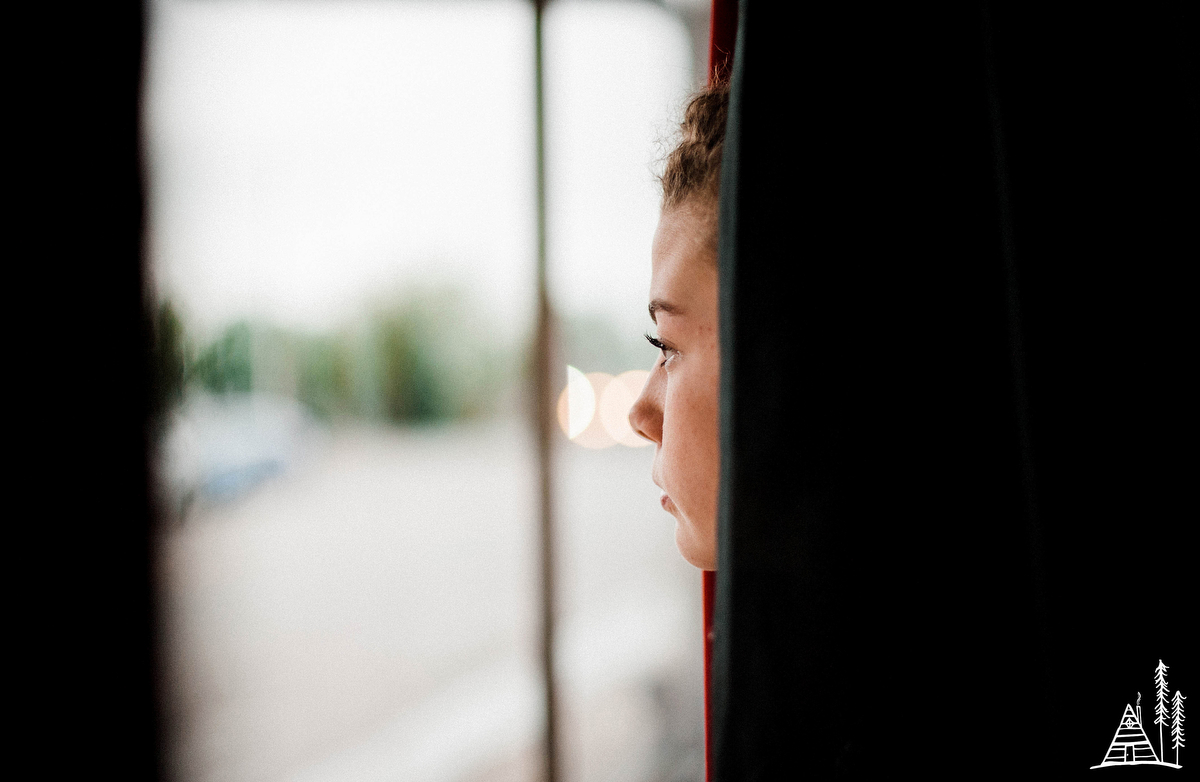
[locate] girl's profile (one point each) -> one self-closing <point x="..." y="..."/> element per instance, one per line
<point x="678" y="408"/>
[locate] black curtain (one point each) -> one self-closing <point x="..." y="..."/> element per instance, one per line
<point x="955" y="406"/>
<point x="81" y="636"/>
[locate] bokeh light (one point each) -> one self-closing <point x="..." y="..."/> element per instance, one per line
<point x="580" y="400"/>
<point x="615" y="404"/>
<point x="593" y="409"/>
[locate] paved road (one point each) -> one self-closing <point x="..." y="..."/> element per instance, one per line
<point x="371" y="614"/>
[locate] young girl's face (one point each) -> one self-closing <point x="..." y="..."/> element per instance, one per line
<point x="678" y="406"/>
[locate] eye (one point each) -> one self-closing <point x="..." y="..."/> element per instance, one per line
<point x="668" y="352"/>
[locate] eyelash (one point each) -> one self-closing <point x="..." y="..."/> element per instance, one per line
<point x="661" y="347"/>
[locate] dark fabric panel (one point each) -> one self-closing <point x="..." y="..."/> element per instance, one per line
<point x="897" y="367"/>
<point x="81" y="520"/>
<point x="1101" y="124"/>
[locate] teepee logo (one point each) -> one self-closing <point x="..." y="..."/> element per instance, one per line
<point x="1131" y="745"/>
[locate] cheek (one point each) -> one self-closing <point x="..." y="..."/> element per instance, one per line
<point x="689" y="450"/>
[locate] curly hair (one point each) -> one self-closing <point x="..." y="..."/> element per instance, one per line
<point x="693" y="168"/>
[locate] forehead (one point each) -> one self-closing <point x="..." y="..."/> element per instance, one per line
<point x="683" y="259"/>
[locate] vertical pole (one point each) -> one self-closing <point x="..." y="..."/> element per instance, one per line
<point x="544" y="412"/>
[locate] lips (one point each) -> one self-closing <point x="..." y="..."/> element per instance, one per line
<point x="666" y="503"/>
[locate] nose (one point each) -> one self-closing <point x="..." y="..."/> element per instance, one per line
<point x="646" y="415"/>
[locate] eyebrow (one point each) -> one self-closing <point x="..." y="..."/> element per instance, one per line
<point x="658" y="305"/>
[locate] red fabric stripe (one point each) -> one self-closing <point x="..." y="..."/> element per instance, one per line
<point x="710" y="595"/>
<point x="722" y="34"/>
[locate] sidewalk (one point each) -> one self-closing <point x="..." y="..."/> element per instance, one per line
<point x="372" y="616"/>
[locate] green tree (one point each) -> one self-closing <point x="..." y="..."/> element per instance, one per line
<point x="410" y="386"/>
<point x="436" y="358"/>
<point x="225" y="365"/>
<point x="325" y="376"/>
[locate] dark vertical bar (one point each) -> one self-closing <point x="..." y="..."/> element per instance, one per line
<point x="544" y="410"/>
<point x="964" y="262"/>
<point x="1098" y="183"/>
<point x="1016" y="340"/>
<point x="874" y="560"/>
<point x="82" y="632"/>
<point x="722" y="34"/>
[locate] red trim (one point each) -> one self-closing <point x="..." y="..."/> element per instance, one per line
<point x="710" y="597"/>
<point x="722" y="34"/>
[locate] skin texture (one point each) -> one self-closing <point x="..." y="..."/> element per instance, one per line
<point x="677" y="409"/>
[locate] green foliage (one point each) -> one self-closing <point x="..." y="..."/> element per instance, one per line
<point x="408" y="377"/>
<point x="435" y="361"/>
<point x="324" y="381"/>
<point x="420" y="359"/>
<point x="225" y="365"/>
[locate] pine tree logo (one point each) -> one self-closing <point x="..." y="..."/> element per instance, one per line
<point x="1131" y="745"/>
<point x="1177" y="723"/>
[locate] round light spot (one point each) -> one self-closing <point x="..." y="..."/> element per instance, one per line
<point x="595" y="435"/>
<point x="615" y="404"/>
<point x="576" y="404"/>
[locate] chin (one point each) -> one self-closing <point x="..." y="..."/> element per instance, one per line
<point x="697" y="552"/>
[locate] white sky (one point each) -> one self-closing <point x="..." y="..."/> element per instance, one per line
<point x="306" y="156"/>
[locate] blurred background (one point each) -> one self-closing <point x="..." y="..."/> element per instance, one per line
<point x="342" y="238"/>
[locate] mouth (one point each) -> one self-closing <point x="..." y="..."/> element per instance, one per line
<point x="666" y="503"/>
